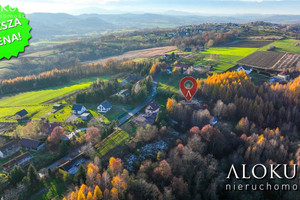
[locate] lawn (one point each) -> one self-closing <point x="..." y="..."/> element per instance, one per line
<point x="61" y="115"/>
<point x="287" y="45"/>
<point x="118" y="137"/>
<point x="112" y="114"/>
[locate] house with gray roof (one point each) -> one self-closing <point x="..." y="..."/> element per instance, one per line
<point x="104" y="107"/>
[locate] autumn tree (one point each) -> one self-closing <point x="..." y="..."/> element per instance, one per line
<point x="163" y="171"/>
<point x="92" y="135"/>
<point x="97" y="193"/>
<point x="243" y="125"/>
<point x="115" y="165"/>
<point x="146" y="134"/>
<point x="56" y="135"/>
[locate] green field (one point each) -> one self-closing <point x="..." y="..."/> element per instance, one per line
<point x="34" y="101"/>
<point x="287" y="45"/>
<point x="118" y="137"/>
<point x="228" y="56"/>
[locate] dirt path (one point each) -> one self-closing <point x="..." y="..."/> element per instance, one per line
<point x="144" y="53"/>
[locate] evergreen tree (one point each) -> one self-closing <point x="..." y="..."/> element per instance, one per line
<point x="16" y="175"/>
<point x="80" y="176"/>
<point x="32" y="175"/>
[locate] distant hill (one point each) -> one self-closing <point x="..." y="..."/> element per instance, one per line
<point x="51" y="24"/>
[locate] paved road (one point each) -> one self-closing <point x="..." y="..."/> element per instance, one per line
<point x="54" y="165"/>
<point x="138" y="108"/>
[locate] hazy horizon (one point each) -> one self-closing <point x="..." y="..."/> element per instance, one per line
<point x="200" y="7"/>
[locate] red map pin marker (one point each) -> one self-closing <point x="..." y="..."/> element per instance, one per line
<point x="188" y="93"/>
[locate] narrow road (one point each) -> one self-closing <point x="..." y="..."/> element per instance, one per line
<point x="148" y="100"/>
<point x="54" y="165"/>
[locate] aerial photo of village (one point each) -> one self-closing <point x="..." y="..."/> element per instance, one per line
<point x="93" y="109"/>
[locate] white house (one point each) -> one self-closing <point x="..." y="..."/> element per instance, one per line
<point x="152" y="108"/>
<point x="104" y="107"/>
<point x="247" y="69"/>
<point x="78" y="109"/>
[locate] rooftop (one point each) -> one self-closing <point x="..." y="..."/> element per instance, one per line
<point x="30" y="143"/>
<point x="77" y="107"/>
<point x="22" y="113"/>
<point x="8" y="146"/>
<point x="17" y="160"/>
<point x="106" y="104"/>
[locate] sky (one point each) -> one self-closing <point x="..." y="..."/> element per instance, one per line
<point x="207" y="7"/>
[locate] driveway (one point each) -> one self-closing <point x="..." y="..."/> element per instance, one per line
<point x="148" y="100"/>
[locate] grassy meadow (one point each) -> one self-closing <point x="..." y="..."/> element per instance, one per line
<point x="35" y="102"/>
<point x="286" y="45"/>
<point x="228" y="56"/>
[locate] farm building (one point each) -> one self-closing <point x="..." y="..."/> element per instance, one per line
<point x="21" y="160"/>
<point x="78" y="109"/>
<point x="104" y="107"/>
<point x="152" y="108"/>
<point x="32" y="145"/>
<point x="21" y="114"/>
<point x="244" y="68"/>
<point x="57" y="106"/>
<point x="284" y="75"/>
<point x="71" y="166"/>
<point x="9" y="149"/>
<point x="85" y="116"/>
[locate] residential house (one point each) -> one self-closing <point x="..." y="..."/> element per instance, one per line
<point x="123" y="93"/>
<point x="104" y="107"/>
<point x="78" y="109"/>
<point x="129" y="79"/>
<point x="71" y="166"/>
<point x="9" y="149"/>
<point x="33" y="145"/>
<point x="152" y="108"/>
<point x="166" y="56"/>
<point x="214" y="122"/>
<point x="284" y="75"/>
<point x="184" y="67"/>
<point x="244" y="68"/>
<point x="21" y="114"/>
<point x="85" y="116"/>
<point x="169" y="69"/>
<point x="47" y="128"/>
<point x="21" y="160"/>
